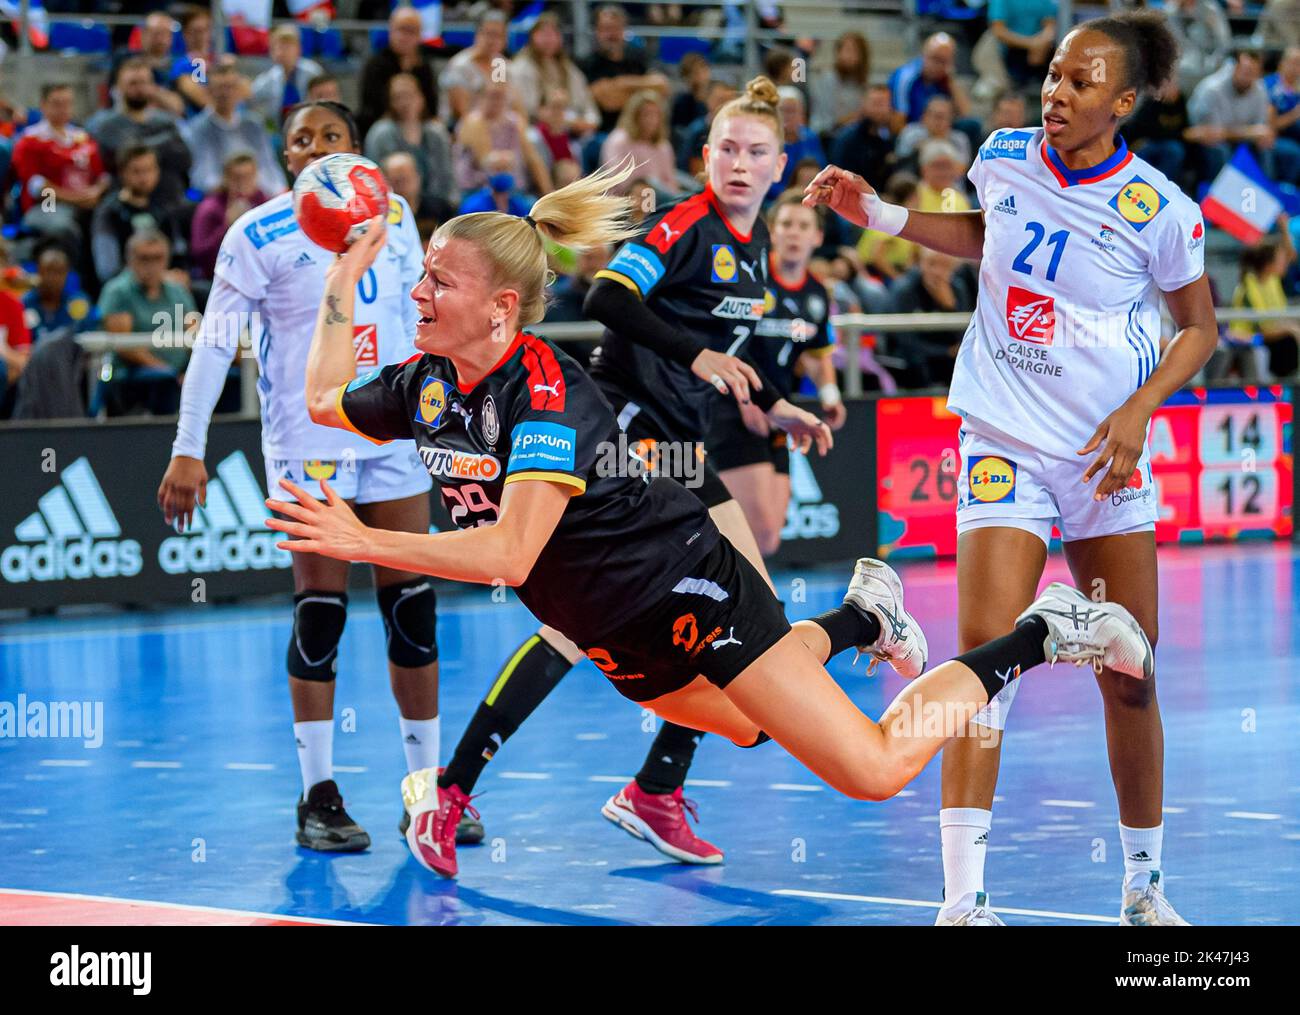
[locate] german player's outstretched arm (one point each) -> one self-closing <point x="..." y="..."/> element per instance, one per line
<point x="499" y="554"/>
<point x="331" y="362"/>
<point x="959" y="233"/>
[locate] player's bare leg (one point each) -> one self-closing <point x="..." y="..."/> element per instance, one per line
<point x="758" y="490"/>
<point x="1123" y="569"/>
<point x="998" y="571"/>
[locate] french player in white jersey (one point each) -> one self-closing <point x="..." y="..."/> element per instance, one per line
<point x="1056" y="381"/>
<point x="270" y="278"/>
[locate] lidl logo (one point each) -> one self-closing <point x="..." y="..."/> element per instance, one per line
<point x="318" y="470"/>
<point x="433" y="402"/>
<point x="992" y="480"/>
<point x="769" y="301"/>
<point x="724" y="263"/>
<point x="1138" y="203"/>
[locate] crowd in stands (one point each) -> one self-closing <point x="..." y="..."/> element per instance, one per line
<point x="117" y="213"/>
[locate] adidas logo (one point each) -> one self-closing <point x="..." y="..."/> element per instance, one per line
<point x="227" y="533"/>
<point x="983" y="839"/>
<point x="808" y="517"/>
<point x="1007" y="205"/>
<point x="72" y="534"/>
<point x="303" y="260"/>
<point x="1141" y="856"/>
<point x="411" y="738"/>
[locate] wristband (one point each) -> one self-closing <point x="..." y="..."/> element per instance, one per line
<point x="829" y="394"/>
<point x="886" y="218"/>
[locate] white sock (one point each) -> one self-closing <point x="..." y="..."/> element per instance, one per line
<point x="965" y="834"/>
<point x="1141" y="852"/>
<point x="420" y="742"/>
<point x="315" y="751"/>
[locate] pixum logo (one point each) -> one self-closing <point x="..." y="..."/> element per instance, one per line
<point x="228" y="532"/>
<point x="73" y="534"/>
<point x="807" y="517"/>
<point x="53" y="720"/>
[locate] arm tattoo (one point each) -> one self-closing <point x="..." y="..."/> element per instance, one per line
<point x="334" y="317"/>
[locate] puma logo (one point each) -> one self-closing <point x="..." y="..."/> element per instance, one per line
<point x="730" y="639"/>
<point x="669" y="233"/>
<point x="750" y="270"/>
<point x="554" y="389"/>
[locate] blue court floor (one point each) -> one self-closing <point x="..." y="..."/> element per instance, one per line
<point x="190" y="797"/>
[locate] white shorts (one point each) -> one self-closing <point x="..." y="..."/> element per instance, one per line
<point x="393" y="475"/>
<point x="1007" y="483"/>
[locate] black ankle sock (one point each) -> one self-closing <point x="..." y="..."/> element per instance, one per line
<point x="669" y="759"/>
<point x="847" y="626"/>
<point x="523" y="683"/>
<point x="1002" y="660"/>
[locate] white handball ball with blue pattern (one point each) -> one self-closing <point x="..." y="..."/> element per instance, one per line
<point x="335" y="197"/>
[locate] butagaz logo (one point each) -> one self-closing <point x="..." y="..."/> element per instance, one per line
<point x="1013" y="145"/>
<point x="808" y="517"/>
<point x="737" y="309"/>
<point x="75" y="968"/>
<point x="490" y="423"/>
<point x="1007" y="206"/>
<point x="1197" y="238"/>
<point x="449" y="464"/>
<point x="72" y="534"/>
<point x="228" y="533"/>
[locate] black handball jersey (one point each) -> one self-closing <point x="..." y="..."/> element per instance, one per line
<point x="697" y="273"/>
<point x="621" y="543"/>
<point x="796" y="320"/>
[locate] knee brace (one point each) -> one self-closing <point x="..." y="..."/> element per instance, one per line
<point x="410" y="612"/>
<point x="318" y="619"/>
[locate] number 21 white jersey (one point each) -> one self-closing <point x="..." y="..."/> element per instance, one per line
<point x="1067" y="325"/>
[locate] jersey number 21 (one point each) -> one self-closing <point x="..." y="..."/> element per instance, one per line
<point x="1056" y="241"/>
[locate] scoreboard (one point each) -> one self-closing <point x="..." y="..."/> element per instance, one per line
<point x="1222" y="460"/>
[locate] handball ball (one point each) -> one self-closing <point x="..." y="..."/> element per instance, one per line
<point x="335" y="196"/>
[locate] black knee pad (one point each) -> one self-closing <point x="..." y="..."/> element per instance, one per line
<point x="410" y="612"/>
<point x="318" y="619"/>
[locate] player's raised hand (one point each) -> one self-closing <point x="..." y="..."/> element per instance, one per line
<point x="847" y="194"/>
<point x="803" y="427"/>
<point x="1120" y="437"/>
<point x="358" y="258"/>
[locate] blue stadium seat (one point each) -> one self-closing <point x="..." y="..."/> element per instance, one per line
<point x="324" y="43"/>
<point x="672" y="49"/>
<point x="378" y="39"/>
<point x="80" y="37"/>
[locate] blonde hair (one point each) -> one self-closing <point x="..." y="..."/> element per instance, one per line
<point x="628" y="119"/>
<point x="760" y="100"/>
<point x="584" y="214"/>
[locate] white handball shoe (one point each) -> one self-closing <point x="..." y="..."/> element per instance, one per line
<point x="1080" y="631"/>
<point x="974" y="913"/>
<point x="877" y="590"/>
<point x="1146" y="906"/>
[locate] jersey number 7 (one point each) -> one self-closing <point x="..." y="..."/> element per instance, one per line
<point x="1056" y="241"/>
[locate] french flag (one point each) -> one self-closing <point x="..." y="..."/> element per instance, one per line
<point x="430" y="12"/>
<point x="250" y="24"/>
<point x="1242" y="201"/>
<point x="312" y="10"/>
<point x="38" y="22"/>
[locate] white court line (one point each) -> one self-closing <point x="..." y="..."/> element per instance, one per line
<point x="524" y="775"/>
<point x="129" y="743"/>
<point x="78" y="897"/>
<point x="1174" y="810"/>
<point x="64" y="763"/>
<point x="1067" y="803"/>
<point x="351" y="768"/>
<point x="795" y="787"/>
<point x="249" y="766"/>
<point x="593" y="736"/>
<point x="155" y="764"/>
<point x="610" y="778"/>
<point x="1253" y="816"/>
<point x="720" y="783"/>
<point x="919" y="904"/>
